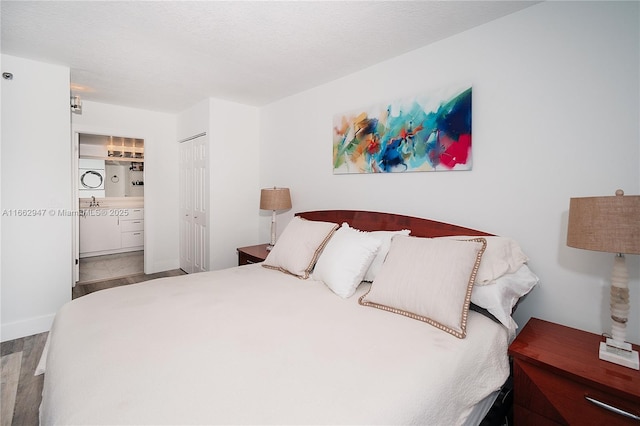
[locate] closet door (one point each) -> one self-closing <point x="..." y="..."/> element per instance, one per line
<point x="200" y="204"/>
<point x="194" y="201"/>
<point x="186" y="207"/>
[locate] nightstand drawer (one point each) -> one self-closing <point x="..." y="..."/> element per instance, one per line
<point x="252" y="254"/>
<point x="247" y="259"/>
<point x="561" y="400"/>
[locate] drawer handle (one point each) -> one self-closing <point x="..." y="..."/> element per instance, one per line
<point x="611" y="408"/>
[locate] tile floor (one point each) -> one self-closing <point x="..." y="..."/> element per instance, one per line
<point x="111" y="266"/>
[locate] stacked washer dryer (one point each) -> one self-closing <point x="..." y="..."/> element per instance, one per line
<point x="92" y="175"/>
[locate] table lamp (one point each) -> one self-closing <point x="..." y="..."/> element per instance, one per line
<point x="610" y="224"/>
<point x="274" y="199"/>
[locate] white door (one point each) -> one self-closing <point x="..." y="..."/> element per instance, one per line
<point x="194" y="201"/>
<point x="200" y="204"/>
<point x="186" y="207"/>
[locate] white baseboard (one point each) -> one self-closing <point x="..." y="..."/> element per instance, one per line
<point x="162" y="266"/>
<point x="24" y="328"/>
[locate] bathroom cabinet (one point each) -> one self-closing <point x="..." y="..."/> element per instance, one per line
<point x="108" y="231"/>
<point x="132" y="229"/>
<point x="99" y="232"/>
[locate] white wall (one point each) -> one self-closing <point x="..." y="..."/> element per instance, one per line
<point x="555" y="115"/>
<point x="118" y="186"/>
<point x="160" y="172"/>
<point x="36" y="175"/>
<point x="193" y="121"/>
<point x="235" y="195"/>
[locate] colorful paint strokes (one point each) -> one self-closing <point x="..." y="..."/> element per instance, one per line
<point x="430" y="134"/>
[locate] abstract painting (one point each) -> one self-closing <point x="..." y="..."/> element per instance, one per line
<point x="428" y="133"/>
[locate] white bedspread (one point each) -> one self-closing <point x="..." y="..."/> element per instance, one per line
<point x="250" y="345"/>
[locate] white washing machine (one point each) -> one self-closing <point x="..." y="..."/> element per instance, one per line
<point x="92" y="174"/>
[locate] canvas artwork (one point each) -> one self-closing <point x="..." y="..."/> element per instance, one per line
<point x="428" y="133"/>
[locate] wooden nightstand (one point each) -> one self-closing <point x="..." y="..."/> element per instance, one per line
<point x="555" y="369"/>
<point x="252" y="254"/>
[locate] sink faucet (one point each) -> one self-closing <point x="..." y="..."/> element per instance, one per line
<point x="93" y="202"/>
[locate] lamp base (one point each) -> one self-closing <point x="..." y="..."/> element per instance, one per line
<point x="611" y="352"/>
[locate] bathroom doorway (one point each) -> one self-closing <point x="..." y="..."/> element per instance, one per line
<point x="109" y="188"/>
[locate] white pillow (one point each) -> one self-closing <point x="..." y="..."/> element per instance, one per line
<point x="502" y="256"/>
<point x="345" y="260"/>
<point x="501" y="295"/>
<point x="385" y="239"/>
<point x="299" y="246"/>
<point x="429" y="280"/>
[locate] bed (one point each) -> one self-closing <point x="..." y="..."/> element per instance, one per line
<point x="271" y="344"/>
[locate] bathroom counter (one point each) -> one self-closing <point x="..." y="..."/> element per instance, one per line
<point x="112" y="202"/>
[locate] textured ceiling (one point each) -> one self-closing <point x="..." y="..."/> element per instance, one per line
<point x="168" y="55"/>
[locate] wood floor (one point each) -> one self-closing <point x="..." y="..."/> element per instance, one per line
<point x="83" y="289"/>
<point x="21" y="391"/>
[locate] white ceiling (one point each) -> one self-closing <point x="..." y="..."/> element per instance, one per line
<point x="168" y="55"/>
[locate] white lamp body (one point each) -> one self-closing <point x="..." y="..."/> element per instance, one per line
<point x="616" y="349"/>
<point x="273" y="231"/>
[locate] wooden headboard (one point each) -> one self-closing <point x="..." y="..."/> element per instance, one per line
<point x="377" y="221"/>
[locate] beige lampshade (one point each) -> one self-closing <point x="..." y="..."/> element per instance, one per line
<point x="610" y="224"/>
<point x="275" y="199"/>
